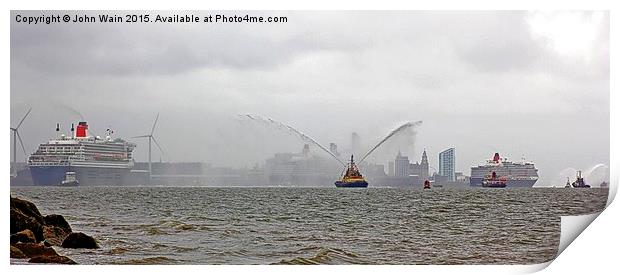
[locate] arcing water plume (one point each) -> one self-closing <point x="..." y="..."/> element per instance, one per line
<point x="282" y="126"/>
<point x="595" y="168"/>
<point x="597" y="174"/>
<point x="392" y="133"/>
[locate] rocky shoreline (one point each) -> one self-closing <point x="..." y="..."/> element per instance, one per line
<point x="33" y="235"/>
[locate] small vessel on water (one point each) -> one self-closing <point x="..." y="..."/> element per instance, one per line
<point x="70" y="180"/>
<point x="352" y="177"/>
<point x="493" y="181"/>
<point x="579" y="182"/>
<point x="568" y="183"/>
<point x="518" y="174"/>
<point x="427" y="184"/>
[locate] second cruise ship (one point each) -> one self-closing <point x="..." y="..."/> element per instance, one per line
<point x="517" y="174"/>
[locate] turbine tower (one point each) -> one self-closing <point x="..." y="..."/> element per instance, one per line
<point x="15" y="137"/>
<point x="151" y="140"/>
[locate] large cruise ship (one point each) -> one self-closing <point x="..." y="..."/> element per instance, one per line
<point x="92" y="159"/>
<point x="518" y="174"/>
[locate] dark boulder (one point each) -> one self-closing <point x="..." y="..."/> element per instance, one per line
<point x="54" y="235"/>
<point x="55" y="229"/>
<point x="79" y="240"/>
<point x="51" y="259"/>
<point x="16" y="253"/>
<point x="24" y="236"/>
<point x="57" y="221"/>
<point x="26" y="207"/>
<point x="25" y="215"/>
<point x="35" y="249"/>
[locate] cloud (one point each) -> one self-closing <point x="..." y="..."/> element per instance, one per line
<point x="130" y="49"/>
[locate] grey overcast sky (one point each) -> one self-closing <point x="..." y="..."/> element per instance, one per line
<point x="533" y="84"/>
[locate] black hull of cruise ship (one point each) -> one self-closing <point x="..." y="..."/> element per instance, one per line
<point x="86" y="176"/>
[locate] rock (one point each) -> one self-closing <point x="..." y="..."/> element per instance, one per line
<point x="35" y="249"/>
<point x="57" y="221"/>
<point x="26" y="207"/>
<point x="52" y="259"/>
<point x="16" y="253"/>
<point x="54" y="235"/>
<point x="79" y="240"/>
<point x="29" y="228"/>
<point x="24" y="236"/>
<point x="25" y="215"/>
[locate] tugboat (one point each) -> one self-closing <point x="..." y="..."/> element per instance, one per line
<point x="579" y="183"/>
<point x="352" y="177"/>
<point x="493" y="181"/>
<point x="427" y="184"/>
<point x="70" y="180"/>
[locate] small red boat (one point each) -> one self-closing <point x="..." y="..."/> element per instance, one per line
<point x="427" y="184"/>
<point x="493" y="181"/>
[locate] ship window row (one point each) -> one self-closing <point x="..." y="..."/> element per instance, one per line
<point x="59" y="149"/>
<point x="105" y="150"/>
<point x="76" y="150"/>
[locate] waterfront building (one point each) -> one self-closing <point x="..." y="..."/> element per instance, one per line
<point x="401" y="165"/>
<point x="447" y="164"/>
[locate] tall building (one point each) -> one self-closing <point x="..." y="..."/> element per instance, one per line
<point x="401" y="166"/>
<point x="391" y="168"/>
<point x="420" y="169"/>
<point x="424" y="166"/>
<point x="446" y="164"/>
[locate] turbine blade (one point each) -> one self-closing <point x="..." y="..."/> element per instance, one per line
<point x="154" y="124"/>
<point x="21" y="121"/>
<point x="157" y="144"/>
<point x="159" y="147"/>
<point x="22" y="143"/>
<point x="141" y="136"/>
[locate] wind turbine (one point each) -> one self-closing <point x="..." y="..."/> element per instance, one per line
<point x="15" y="137"/>
<point x="151" y="140"/>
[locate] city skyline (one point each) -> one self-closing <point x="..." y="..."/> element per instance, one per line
<point x="475" y="88"/>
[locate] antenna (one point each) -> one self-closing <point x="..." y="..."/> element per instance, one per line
<point x="152" y="140"/>
<point x="16" y="136"/>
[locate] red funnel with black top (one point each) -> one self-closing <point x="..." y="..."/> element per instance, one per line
<point x="81" y="130"/>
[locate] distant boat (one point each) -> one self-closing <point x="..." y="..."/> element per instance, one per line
<point x="579" y="182"/>
<point x="427" y="184"/>
<point x="70" y="180"/>
<point x="493" y="181"/>
<point x="352" y="177"/>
